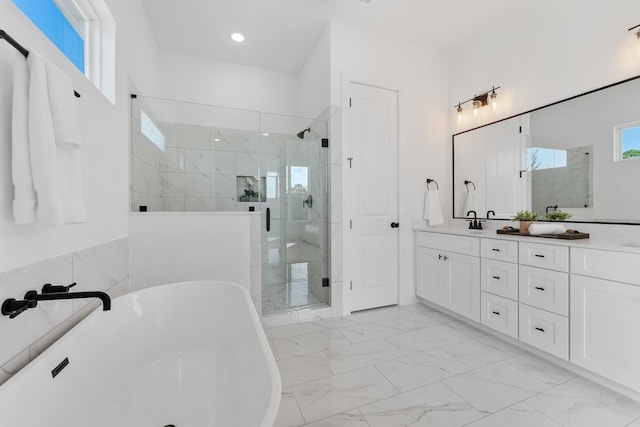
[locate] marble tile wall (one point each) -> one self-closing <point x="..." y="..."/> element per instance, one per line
<point x="567" y="187"/>
<point x="103" y="268"/>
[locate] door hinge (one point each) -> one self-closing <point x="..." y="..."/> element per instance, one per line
<point x="350" y="285"/>
<point x="350" y="224"/>
<point x="325" y="282"/>
<point x="325" y="142"/>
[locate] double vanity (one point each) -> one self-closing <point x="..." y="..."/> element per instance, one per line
<point x="576" y="300"/>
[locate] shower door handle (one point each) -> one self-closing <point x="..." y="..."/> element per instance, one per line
<point x="268" y="219"/>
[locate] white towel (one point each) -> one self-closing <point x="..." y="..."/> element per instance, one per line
<point x="63" y="108"/>
<point x="432" y="208"/>
<point x="24" y="201"/>
<point x="546" y="229"/>
<point x="55" y="169"/>
<point x="470" y="202"/>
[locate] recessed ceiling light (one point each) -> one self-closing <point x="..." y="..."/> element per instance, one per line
<point x="237" y="37"/>
<point x="265" y="134"/>
<point x="217" y="139"/>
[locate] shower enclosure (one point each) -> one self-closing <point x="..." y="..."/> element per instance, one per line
<point x="194" y="157"/>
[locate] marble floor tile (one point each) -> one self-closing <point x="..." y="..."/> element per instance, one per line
<point x="336" y="322"/>
<point x="582" y="403"/>
<point x="417" y="308"/>
<point x="347" y="419"/>
<point x="420" y="369"/>
<point x="636" y="423"/>
<point x="479" y="352"/>
<point x="339" y="393"/>
<point x="356" y="356"/>
<point x="495" y="387"/>
<point x="289" y="414"/>
<point x="381" y="313"/>
<point x="309" y="343"/>
<point x="301" y="369"/>
<point x="541" y="369"/>
<point x="428" y="339"/>
<point x="518" y="415"/>
<point x="368" y="331"/>
<point x="283" y="332"/>
<point x="432" y="405"/>
<point x="413" y="321"/>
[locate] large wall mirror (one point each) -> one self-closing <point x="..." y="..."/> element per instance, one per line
<point x="580" y="155"/>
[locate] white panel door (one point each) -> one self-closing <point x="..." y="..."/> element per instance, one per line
<point x="373" y="190"/>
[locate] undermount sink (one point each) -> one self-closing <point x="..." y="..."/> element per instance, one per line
<point x="631" y="245"/>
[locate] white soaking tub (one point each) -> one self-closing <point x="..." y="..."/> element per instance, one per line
<point x="189" y="354"/>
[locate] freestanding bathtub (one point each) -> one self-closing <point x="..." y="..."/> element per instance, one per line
<point x="189" y="354"/>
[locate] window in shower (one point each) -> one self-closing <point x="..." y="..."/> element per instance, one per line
<point x="298" y="179"/>
<point x="151" y="131"/>
<point x="272" y="185"/>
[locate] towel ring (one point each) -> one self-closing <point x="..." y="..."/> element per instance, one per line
<point x="429" y="181"/>
<point x="467" y="182"/>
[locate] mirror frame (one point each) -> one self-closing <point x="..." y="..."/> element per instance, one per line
<point x="453" y="153"/>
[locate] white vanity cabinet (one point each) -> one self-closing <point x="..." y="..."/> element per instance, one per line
<point x="499" y="285"/>
<point x="448" y="272"/>
<point x="605" y="314"/>
<point x="544" y="297"/>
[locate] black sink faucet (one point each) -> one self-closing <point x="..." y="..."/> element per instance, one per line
<point x="474" y="224"/>
<point x="490" y="212"/>
<point x="554" y="207"/>
<point x="13" y="308"/>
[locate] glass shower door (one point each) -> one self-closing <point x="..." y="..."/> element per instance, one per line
<point x="295" y="244"/>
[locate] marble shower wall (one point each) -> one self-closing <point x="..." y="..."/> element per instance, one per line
<point x="568" y="187"/>
<point x="100" y="268"/>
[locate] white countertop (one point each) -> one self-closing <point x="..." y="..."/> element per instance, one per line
<point x="593" y="242"/>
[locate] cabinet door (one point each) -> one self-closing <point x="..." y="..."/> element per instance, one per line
<point x="429" y="271"/>
<point x="462" y="277"/>
<point x="605" y="328"/>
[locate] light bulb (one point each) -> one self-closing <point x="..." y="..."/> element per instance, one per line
<point x="634" y="42"/>
<point x="494" y="101"/>
<point x="459" y="110"/>
<point x="476" y="107"/>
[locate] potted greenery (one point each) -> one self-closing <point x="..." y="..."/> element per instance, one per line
<point x="558" y="215"/>
<point x="525" y="218"/>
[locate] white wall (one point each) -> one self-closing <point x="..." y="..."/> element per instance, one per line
<point x="315" y="85"/>
<point x="420" y="77"/>
<point x="197" y="79"/>
<point x="543" y="52"/>
<point x="104" y="129"/>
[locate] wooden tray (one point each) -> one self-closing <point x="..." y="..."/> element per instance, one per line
<point x="563" y="236"/>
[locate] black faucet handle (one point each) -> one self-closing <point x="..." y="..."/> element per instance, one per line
<point x="56" y="289"/>
<point x="13" y="308"/>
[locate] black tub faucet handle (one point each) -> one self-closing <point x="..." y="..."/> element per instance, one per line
<point x="56" y="289"/>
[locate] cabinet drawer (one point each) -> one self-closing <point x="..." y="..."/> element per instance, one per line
<point x="545" y="256"/>
<point x="616" y="266"/>
<point x="448" y="242"/>
<point x="500" y="314"/>
<point x="500" y="278"/>
<point x="544" y="330"/>
<point x="545" y="289"/>
<point x="501" y="250"/>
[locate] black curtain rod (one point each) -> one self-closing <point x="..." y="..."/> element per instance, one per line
<point x="21" y="49"/>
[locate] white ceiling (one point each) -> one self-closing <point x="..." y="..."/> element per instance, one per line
<point x="281" y="33"/>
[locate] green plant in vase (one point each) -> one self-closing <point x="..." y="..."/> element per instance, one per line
<point x="525" y="218"/>
<point x="558" y="216"/>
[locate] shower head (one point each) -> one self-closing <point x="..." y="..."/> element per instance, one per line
<point x="301" y="133"/>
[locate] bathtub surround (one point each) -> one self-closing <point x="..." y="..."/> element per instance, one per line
<point x="184" y="363"/>
<point x="101" y="268"/>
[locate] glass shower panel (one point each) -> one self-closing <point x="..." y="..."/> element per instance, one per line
<point x="295" y="244"/>
<point x="192" y="157"/>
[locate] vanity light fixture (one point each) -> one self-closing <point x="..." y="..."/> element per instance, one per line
<point x="634" y="40"/>
<point x="237" y="37"/>
<point x="479" y="101"/>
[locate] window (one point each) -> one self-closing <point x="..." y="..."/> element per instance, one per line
<point x="84" y="31"/>
<point x="298" y="179"/>
<point x="627" y="142"/>
<point x="151" y="131"/>
<point x="539" y="158"/>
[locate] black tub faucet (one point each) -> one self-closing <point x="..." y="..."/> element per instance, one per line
<point x="13" y="308"/>
<point x="474" y="224"/>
